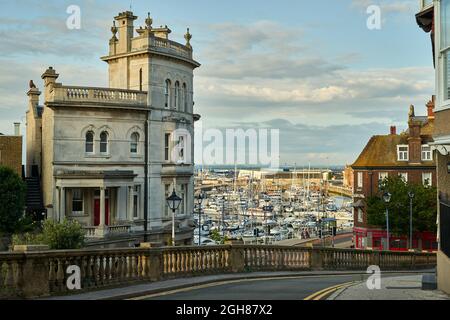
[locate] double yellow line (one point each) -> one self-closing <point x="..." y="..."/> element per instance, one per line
<point x="328" y="291"/>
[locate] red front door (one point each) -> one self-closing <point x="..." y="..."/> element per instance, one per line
<point x="97" y="212"/>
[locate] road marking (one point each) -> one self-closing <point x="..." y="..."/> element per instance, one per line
<point x="325" y="292"/>
<point x="217" y="284"/>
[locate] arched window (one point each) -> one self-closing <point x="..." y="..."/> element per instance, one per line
<point x="134" y="143"/>
<point x="104" y="142"/>
<point x="168" y="93"/>
<point x="177" y="95"/>
<point x="185" y="98"/>
<point x="89" y="144"/>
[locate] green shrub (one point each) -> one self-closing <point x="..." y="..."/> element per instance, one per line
<point x="58" y="236"/>
<point x="27" y="239"/>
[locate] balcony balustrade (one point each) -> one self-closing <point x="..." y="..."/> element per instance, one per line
<point x="99" y="95"/>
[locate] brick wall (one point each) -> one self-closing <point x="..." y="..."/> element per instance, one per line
<point x="11" y="153"/>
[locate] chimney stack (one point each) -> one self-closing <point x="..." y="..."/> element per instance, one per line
<point x="430" y="108"/>
<point x="393" y="130"/>
<point x="17" y="129"/>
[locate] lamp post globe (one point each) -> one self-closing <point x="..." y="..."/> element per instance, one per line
<point x="173" y="202"/>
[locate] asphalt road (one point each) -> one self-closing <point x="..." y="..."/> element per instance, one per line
<point x="266" y="290"/>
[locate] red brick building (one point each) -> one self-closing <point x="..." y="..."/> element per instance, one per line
<point x="408" y="155"/>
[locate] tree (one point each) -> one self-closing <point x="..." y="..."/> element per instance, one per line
<point x="424" y="207"/>
<point x="12" y="200"/>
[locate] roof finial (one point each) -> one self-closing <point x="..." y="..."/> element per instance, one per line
<point x="114" y="31"/>
<point x="149" y="22"/>
<point x="188" y="37"/>
<point x="411" y="112"/>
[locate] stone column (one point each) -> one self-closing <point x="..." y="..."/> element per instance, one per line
<point x="130" y="203"/>
<point x="62" y="212"/>
<point x="102" y="207"/>
<point x="57" y="204"/>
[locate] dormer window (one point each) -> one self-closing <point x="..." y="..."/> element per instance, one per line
<point x="427" y="154"/>
<point x="403" y="153"/>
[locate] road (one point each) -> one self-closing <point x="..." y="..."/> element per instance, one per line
<point x="265" y="290"/>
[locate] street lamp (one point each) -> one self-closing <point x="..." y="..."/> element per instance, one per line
<point x="387" y="198"/>
<point x="199" y="199"/>
<point x="173" y="202"/>
<point x="411" y="197"/>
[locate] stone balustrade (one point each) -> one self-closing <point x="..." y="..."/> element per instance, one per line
<point x="172" y="47"/>
<point x="38" y="274"/>
<point x="98" y="95"/>
<point x="100" y="232"/>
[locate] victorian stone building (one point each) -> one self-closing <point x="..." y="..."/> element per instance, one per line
<point x="109" y="157"/>
<point x="408" y="155"/>
<point x="434" y="18"/>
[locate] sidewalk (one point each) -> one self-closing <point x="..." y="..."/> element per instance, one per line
<point x="392" y="288"/>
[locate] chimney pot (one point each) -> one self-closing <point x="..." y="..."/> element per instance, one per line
<point x="393" y="130"/>
<point x="17" y="129"/>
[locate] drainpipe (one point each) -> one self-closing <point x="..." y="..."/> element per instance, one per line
<point x="146" y="193"/>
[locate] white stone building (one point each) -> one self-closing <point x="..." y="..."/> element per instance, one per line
<point x="89" y="144"/>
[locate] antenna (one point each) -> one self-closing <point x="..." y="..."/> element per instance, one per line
<point x="131" y="5"/>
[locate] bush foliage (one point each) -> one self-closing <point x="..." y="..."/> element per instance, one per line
<point x="58" y="236"/>
<point x="12" y="200"/>
<point x="424" y="207"/>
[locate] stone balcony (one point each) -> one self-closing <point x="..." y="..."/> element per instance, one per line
<point x="171" y="47"/>
<point x="73" y="94"/>
<point x="102" y="232"/>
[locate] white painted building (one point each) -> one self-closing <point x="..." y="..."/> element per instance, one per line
<point x="89" y="144"/>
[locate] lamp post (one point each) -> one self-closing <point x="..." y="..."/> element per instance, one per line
<point x="387" y="198"/>
<point x="266" y="209"/>
<point x="200" y="198"/>
<point x="411" y="198"/>
<point x="173" y="202"/>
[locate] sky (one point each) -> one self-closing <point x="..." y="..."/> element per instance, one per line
<point x="312" y="69"/>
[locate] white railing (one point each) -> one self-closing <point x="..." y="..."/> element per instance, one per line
<point x="99" y="95"/>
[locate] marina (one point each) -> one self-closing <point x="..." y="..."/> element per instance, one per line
<point x="249" y="207"/>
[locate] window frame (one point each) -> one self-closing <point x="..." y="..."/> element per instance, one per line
<point x="429" y="152"/>
<point x="167" y="143"/>
<point x="167" y="93"/>
<point x="360" y="180"/>
<point x="177" y="96"/>
<point x="89" y="143"/>
<point x="430" y="179"/>
<point x="78" y="200"/>
<point x="404" y="175"/>
<point x="134" y="142"/>
<point x="104" y="143"/>
<point x="403" y="152"/>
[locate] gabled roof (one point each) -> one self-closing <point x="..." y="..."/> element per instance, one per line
<point x="381" y="151"/>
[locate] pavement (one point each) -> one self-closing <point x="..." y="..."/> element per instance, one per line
<point x="248" y="286"/>
<point x="392" y="288"/>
